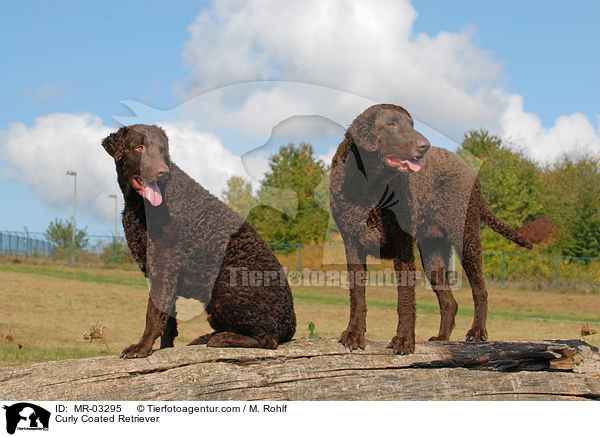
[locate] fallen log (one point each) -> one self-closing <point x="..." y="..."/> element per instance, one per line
<point x="321" y="369"/>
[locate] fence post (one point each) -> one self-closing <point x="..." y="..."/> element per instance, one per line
<point x="502" y="268"/>
<point x="299" y="257"/>
<point x="556" y="276"/>
<point x="453" y="275"/>
<point x="26" y="242"/>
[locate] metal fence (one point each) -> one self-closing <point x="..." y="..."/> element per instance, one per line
<point x="299" y="247"/>
<point x="498" y="266"/>
<point x="26" y="243"/>
<point x="36" y="244"/>
<point x="515" y="266"/>
<point x="99" y="243"/>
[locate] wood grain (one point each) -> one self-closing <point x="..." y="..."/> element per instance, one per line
<point x="321" y="369"/>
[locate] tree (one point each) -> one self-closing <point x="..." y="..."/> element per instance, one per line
<point x="116" y="250"/>
<point x="512" y="185"/>
<point x="574" y="203"/>
<point x="59" y="232"/>
<point x="239" y="196"/>
<point x="293" y="169"/>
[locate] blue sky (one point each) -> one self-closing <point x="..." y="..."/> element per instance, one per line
<point x="94" y="54"/>
<point x="513" y="67"/>
<point x="547" y="47"/>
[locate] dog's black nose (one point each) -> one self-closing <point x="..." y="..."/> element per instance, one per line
<point x="423" y="146"/>
<point x="162" y="171"/>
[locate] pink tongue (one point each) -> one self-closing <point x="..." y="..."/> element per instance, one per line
<point x="152" y="193"/>
<point x="414" y="166"/>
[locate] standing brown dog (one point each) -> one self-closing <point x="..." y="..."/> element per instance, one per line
<point x="389" y="187"/>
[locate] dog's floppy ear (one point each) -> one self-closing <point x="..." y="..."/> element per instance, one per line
<point x="362" y="131"/>
<point x="113" y="143"/>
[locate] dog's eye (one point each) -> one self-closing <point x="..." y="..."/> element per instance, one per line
<point x="140" y="148"/>
<point x="392" y="124"/>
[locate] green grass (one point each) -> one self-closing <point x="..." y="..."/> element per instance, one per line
<point x="76" y="274"/>
<point x="134" y="279"/>
<point x="320" y="298"/>
<point x="10" y="353"/>
<point x="47" y="307"/>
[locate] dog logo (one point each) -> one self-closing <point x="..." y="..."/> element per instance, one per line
<point x="26" y="416"/>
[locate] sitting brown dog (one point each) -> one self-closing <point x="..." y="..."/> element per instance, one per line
<point x="190" y="244"/>
<point x="389" y="187"/>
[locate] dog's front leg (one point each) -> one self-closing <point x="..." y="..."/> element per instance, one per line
<point x="170" y="332"/>
<point x="404" y="264"/>
<point x="156" y="321"/>
<point x="354" y="336"/>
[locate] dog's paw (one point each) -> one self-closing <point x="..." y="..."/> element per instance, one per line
<point x="139" y="350"/>
<point x="402" y="345"/>
<point x="353" y="339"/>
<point x="476" y="334"/>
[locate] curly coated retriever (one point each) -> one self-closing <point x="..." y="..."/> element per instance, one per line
<point x="189" y="243"/>
<point x="388" y="186"/>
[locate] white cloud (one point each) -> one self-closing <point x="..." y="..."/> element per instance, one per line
<point x="250" y="115"/>
<point x="42" y="154"/>
<point x="572" y="134"/>
<point x="368" y="48"/>
<point x="365" y="48"/>
<point x="202" y="156"/>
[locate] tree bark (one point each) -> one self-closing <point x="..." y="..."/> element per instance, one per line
<point x="321" y="369"/>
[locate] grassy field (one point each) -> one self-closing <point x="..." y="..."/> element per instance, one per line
<point x="48" y="307"/>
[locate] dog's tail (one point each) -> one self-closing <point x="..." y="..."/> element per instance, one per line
<point x="502" y="228"/>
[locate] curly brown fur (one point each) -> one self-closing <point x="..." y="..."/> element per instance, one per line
<point x="189" y="243"/>
<point x="380" y="210"/>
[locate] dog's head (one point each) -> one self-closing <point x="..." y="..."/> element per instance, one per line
<point x="141" y="153"/>
<point x="387" y="131"/>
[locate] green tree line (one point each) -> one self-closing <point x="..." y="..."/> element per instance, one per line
<point x="556" y="205"/>
<point x="290" y="206"/>
<point x="59" y="232"/>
